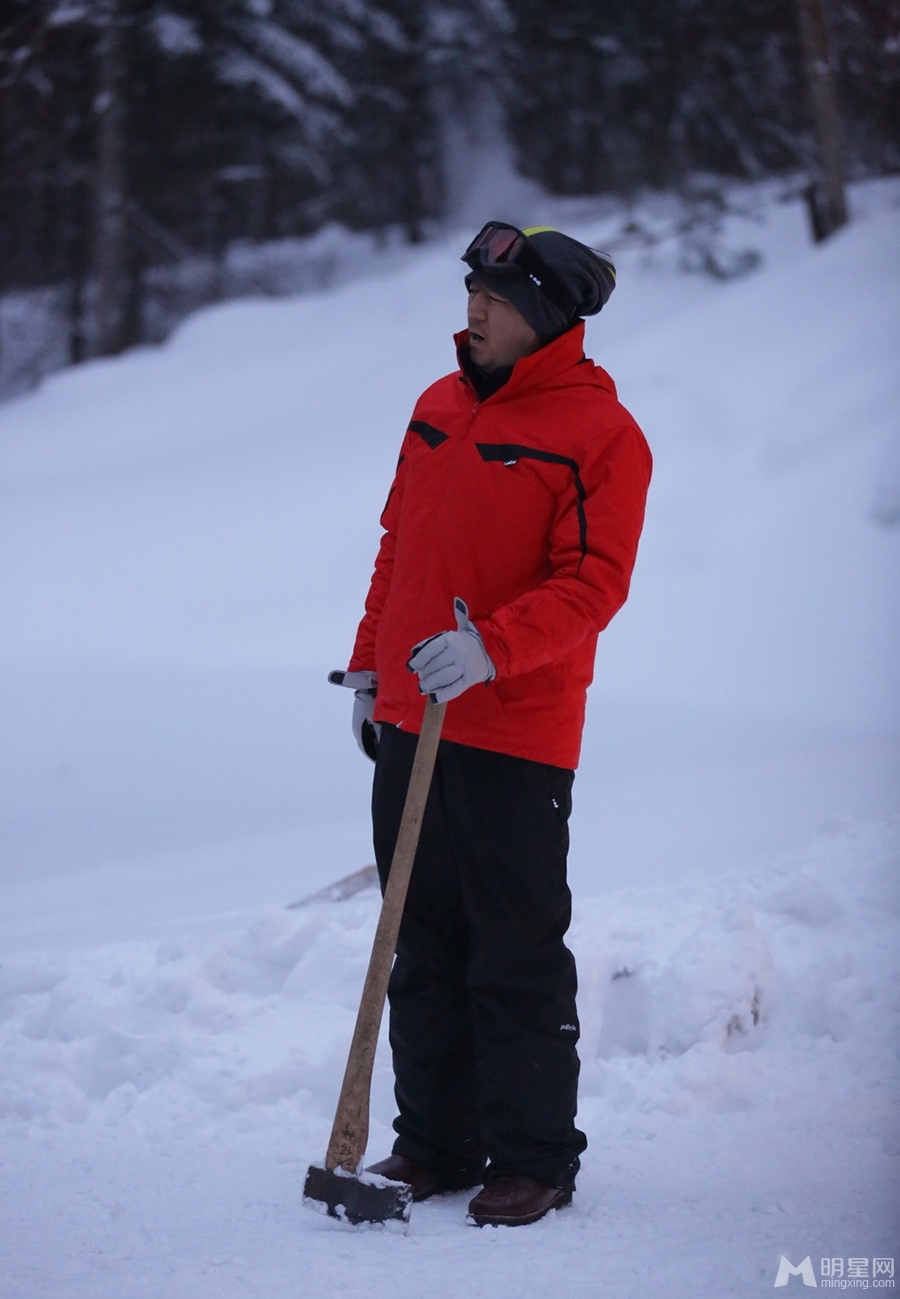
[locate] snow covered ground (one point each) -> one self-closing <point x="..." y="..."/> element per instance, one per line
<point x="186" y="537"/>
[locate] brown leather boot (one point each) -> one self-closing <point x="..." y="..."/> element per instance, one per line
<point x="515" y="1201"/>
<point x="397" y="1168"/>
<point x="400" y="1169"/>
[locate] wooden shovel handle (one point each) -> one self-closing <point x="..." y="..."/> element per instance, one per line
<point x="351" y="1122"/>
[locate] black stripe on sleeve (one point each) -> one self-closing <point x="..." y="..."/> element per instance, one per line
<point x="427" y="432"/>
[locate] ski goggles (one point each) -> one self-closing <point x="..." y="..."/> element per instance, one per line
<point x="505" y="250"/>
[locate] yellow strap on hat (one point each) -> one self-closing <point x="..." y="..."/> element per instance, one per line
<point x="539" y="230"/>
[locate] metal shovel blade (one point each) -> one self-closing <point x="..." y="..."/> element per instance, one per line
<point x="356" y="1199"/>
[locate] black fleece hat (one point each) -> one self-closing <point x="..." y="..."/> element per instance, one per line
<point x="589" y="276"/>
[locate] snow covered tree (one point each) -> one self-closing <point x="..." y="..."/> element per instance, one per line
<point x="609" y="97"/>
<point x="138" y="133"/>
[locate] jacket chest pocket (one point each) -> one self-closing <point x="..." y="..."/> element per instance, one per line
<point x="553" y="475"/>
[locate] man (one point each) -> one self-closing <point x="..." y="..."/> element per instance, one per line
<point x="515" y="512"/>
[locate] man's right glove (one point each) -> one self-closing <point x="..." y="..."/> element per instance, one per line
<point x="366" y="730"/>
<point x="452" y="661"/>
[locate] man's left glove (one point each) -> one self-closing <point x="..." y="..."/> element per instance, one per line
<point x="451" y="661"/>
<point x="366" y="730"/>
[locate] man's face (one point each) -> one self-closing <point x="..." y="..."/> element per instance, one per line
<point x="498" y="334"/>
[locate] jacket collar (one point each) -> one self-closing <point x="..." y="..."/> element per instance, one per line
<point x="541" y="369"/>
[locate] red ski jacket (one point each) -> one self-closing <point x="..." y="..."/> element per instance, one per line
<point x="528" y="505"/>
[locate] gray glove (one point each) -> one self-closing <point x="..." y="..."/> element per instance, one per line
<point x="451" y="661"/>
<point x="365" y="729"/>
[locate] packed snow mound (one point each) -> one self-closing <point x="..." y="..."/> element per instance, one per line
<point x="796" y="963"/>
<point x="187" y="1085"/>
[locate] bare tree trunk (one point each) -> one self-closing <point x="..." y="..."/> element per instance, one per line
<point x="75" y="316"/>
<point x="825" y="194"/>
<point x="75" y="235"/>
<point x="109" y="237"/>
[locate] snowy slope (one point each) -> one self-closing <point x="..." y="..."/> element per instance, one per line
<point x="186" y="537"/>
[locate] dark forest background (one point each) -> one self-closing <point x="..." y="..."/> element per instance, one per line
<point x="140" y="135"/>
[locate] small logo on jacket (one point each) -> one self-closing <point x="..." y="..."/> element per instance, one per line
<point x="568" y="1028"/>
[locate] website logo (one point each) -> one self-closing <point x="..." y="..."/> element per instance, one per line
<point x="805" y="1269"/>
<point x="840" y="1273"/>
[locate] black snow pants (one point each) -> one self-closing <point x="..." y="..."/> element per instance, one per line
<point x="483" y="1025"/>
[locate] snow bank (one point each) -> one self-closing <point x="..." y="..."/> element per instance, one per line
<point x="161" y="1037"/>
<point x="152" y="1076"/>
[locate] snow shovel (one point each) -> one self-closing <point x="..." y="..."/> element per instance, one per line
<point x="341" y="1186"/>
